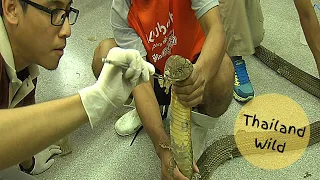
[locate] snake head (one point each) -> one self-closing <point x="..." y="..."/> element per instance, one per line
<point x="177" y="68"/>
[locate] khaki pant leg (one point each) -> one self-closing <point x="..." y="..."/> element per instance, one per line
<point x="244" y="29"/>
<point x="255" y="19"/>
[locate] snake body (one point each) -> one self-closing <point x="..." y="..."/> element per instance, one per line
<point x="180" y="135"/>
<point x="178" y="68"/>
<point x="226" y="148"/>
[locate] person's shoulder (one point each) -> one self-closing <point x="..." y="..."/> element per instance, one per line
<point x="201" y="7"/>
<point x="203" y="1"/>
<point x="119" y="12"/>
<point x="120" y="8"/>
<point x="121" y="3"/>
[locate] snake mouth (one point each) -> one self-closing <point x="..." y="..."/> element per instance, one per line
<point x="170" y="76"/>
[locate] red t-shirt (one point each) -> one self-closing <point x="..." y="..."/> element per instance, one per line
<point x="166" y="28"/>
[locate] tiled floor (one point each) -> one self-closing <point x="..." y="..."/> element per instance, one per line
<point x="102" y="154"/>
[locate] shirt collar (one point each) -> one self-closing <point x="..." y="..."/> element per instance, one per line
<point x="6" y="52"/>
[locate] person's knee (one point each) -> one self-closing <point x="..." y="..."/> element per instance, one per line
<point x="100" y="52"/>
<point x="227" y="73"/>
<point x="224" y="80"/>
<point x="219" y="94"/>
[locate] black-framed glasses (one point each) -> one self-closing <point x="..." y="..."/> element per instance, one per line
<point x="58" y="16"/>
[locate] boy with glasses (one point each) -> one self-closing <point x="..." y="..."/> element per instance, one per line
<point x="34" y="33"/>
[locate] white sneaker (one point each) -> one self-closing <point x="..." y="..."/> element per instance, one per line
<point x="128" y="124"/>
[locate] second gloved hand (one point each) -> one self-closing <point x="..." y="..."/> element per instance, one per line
<point x="115" y="84"/>
<point x="42" y="161"/>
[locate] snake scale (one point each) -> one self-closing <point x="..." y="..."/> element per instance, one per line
<point x="226" y="148"/>
<point x="177" y="69"/>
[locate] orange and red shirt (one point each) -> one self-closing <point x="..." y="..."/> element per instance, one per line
<point x="159" y="29"/>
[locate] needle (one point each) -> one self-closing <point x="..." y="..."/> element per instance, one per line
<point x="126" y="66"/>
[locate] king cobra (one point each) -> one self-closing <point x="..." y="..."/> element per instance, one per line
<point x="178" y="68"/>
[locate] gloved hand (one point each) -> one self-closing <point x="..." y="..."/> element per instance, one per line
<point x="42" y="160"/>
<point x="115" y="84"/>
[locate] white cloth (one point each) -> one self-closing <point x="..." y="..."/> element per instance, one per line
<point x="200" y="123"/>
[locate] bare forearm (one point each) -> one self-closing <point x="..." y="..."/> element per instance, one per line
<point x="311" y="28"/>
<point x="214" y="47"/>
<point x="213" y="51"/>
<point x="149" y="113"/>
<point x="28" y="130"/>
<point x="101" y="52"/>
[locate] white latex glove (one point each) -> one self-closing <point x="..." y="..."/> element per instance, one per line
<point x="42" y="162"/>
<point x="115" y="84"/>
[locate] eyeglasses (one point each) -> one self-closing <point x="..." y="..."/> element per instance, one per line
<point x="58" y="16"/>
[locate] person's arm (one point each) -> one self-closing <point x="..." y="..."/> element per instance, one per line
<point x="147" y="107"/>
<point x="149" y="113"/>
<point x="214" y="47"/>
<point x="190" y="91"/>
<point x="311" y="28"/>
<point x="145" y="99"/>
<point x="126" y="37"/>
<point x="99" y="53"/>
<point x="28" y="130"/>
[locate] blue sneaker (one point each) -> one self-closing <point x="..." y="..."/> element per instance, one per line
<point x="242" y="89"/>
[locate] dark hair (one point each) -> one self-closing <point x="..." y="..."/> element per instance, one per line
<point x="23" y="5"/>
